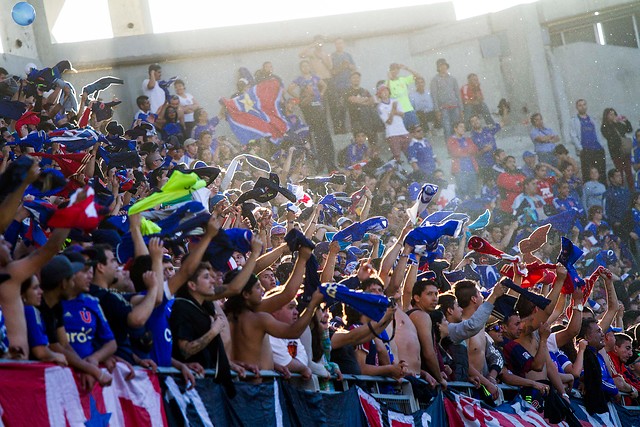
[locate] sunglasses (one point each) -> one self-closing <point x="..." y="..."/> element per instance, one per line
<point x="494" y="328"/>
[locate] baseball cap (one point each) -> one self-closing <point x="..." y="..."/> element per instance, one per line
<point x="278" y="230"/>
<point x="342" y="220"/>
<point x="528" y="154"/>
<point x="58" y="269"/>
<point x="188" y="141"/>
<point x="442" y="61"/>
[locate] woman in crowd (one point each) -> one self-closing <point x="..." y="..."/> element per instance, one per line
<point x="188" y="104"/>
<point x="615" y="128"/>
<point x="38" y="341"/>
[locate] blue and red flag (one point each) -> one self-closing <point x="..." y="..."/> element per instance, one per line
<point x="256" y="114"/>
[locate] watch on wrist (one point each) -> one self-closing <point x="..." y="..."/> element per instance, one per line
<point x="578" y="307"/>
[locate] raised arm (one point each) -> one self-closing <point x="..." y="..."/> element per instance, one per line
<point x="284" y="330"/>
<point x="238" y="282"/>
<point x="566" y="335"/>
<point x="612" y="302"/>
<point x="10" y="204"/>
<point x="274" y="302"/>
<point x="541" y="316"/>
<point x="361" y="334"/>
<point x="196" y="252"/>
<point x="329" y="267"/>
<point x="398" y="272"/>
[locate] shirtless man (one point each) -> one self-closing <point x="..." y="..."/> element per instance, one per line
<point x="247" y="311"/>
<point x="469" y="300"/>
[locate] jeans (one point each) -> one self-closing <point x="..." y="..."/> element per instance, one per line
<point x="449" y="117"/>
<point x="316" y="118"/>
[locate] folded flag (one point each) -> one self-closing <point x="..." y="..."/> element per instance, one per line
<point x="301" y="195"/>
<point x="562" y="222"/>
<point x="224" y="244"/>
<point x="28" y="118"/>
<point x="356" y="231"/>
<point x="256" y="114"/>
<point x="535" y="241"/>
<point x="75" y="140"/>
<point x="467" y="272"/>
<point x="70" y="164"/>
<point x="12" y="109"/>
<point x="39" y="210"/>
<point x="266" y="189"/>
<point x="569" y="255"/>
<point x="82" y="214"/>
<point x="536" y="272"/>
<point x="439" y="217"/>
<point x="426" y="194"/>
<point x="35" y="140"/>
<point x="356" y="197"/>
<point x="481" y="222"/>
<point x="540" y="301"/>
<point x="120" y="160"/>
<point x="177" y="187"/>
<point x="429" y="235"/>
<point x="371" y="305"/>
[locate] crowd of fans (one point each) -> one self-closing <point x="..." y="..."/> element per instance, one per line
<point x="202" y="259"/>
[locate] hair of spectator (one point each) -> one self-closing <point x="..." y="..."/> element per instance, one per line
<point x="101" y="252"/>
<point x="464" y="291"/>
<point x="621" y="338"/>
<point x="585" y="326"/>
<point x="141" y="99"/>
<point x="140" y="265"/>
<point x="437" y="316"/>
<point x="446" y="302"/>
<point x="534" y="116"/>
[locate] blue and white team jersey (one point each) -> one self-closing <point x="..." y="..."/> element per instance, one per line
<point x="85" y="323"/>
<point x="158" y="324"/>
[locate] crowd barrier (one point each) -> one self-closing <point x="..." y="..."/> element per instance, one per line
<point x="37" y="394"/>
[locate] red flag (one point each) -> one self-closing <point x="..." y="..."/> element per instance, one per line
<point x="40" y="394"/>
<point x="81" y="214"/>
<point x="70" y="164"/>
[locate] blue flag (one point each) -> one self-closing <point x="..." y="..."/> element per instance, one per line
<point x="371" y="305"/>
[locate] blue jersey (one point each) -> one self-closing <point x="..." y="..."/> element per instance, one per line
<point x="35" y="327"/>
<point x="421" y="152"/>
<point x="158" y="324"/>
<point x="85" y="323"/>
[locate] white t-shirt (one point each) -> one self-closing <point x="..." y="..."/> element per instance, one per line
<point x="156" y="95"/>
<point x="187" y="100"/>
<point x="283" y="350"/>
<point x="396" y="128"/>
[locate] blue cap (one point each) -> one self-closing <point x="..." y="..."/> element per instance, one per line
<point x="614" y="330"/>
<point x="528" y="154"/>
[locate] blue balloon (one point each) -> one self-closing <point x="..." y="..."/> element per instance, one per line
<point x="23" y="13"/>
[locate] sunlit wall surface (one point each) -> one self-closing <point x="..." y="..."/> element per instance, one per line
<point x="83" y="20"/>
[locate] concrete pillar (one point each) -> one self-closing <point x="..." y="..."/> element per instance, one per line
<point x="130" y="18"/>
<point x="539" y="67"/>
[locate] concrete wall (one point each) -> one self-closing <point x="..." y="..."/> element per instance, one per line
<point x="606" y="76"/>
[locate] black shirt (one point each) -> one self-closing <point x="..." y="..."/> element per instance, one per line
<point x="116" y="309"/>
<point x="52" y="320"/>
<point x="190" y="321"/>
